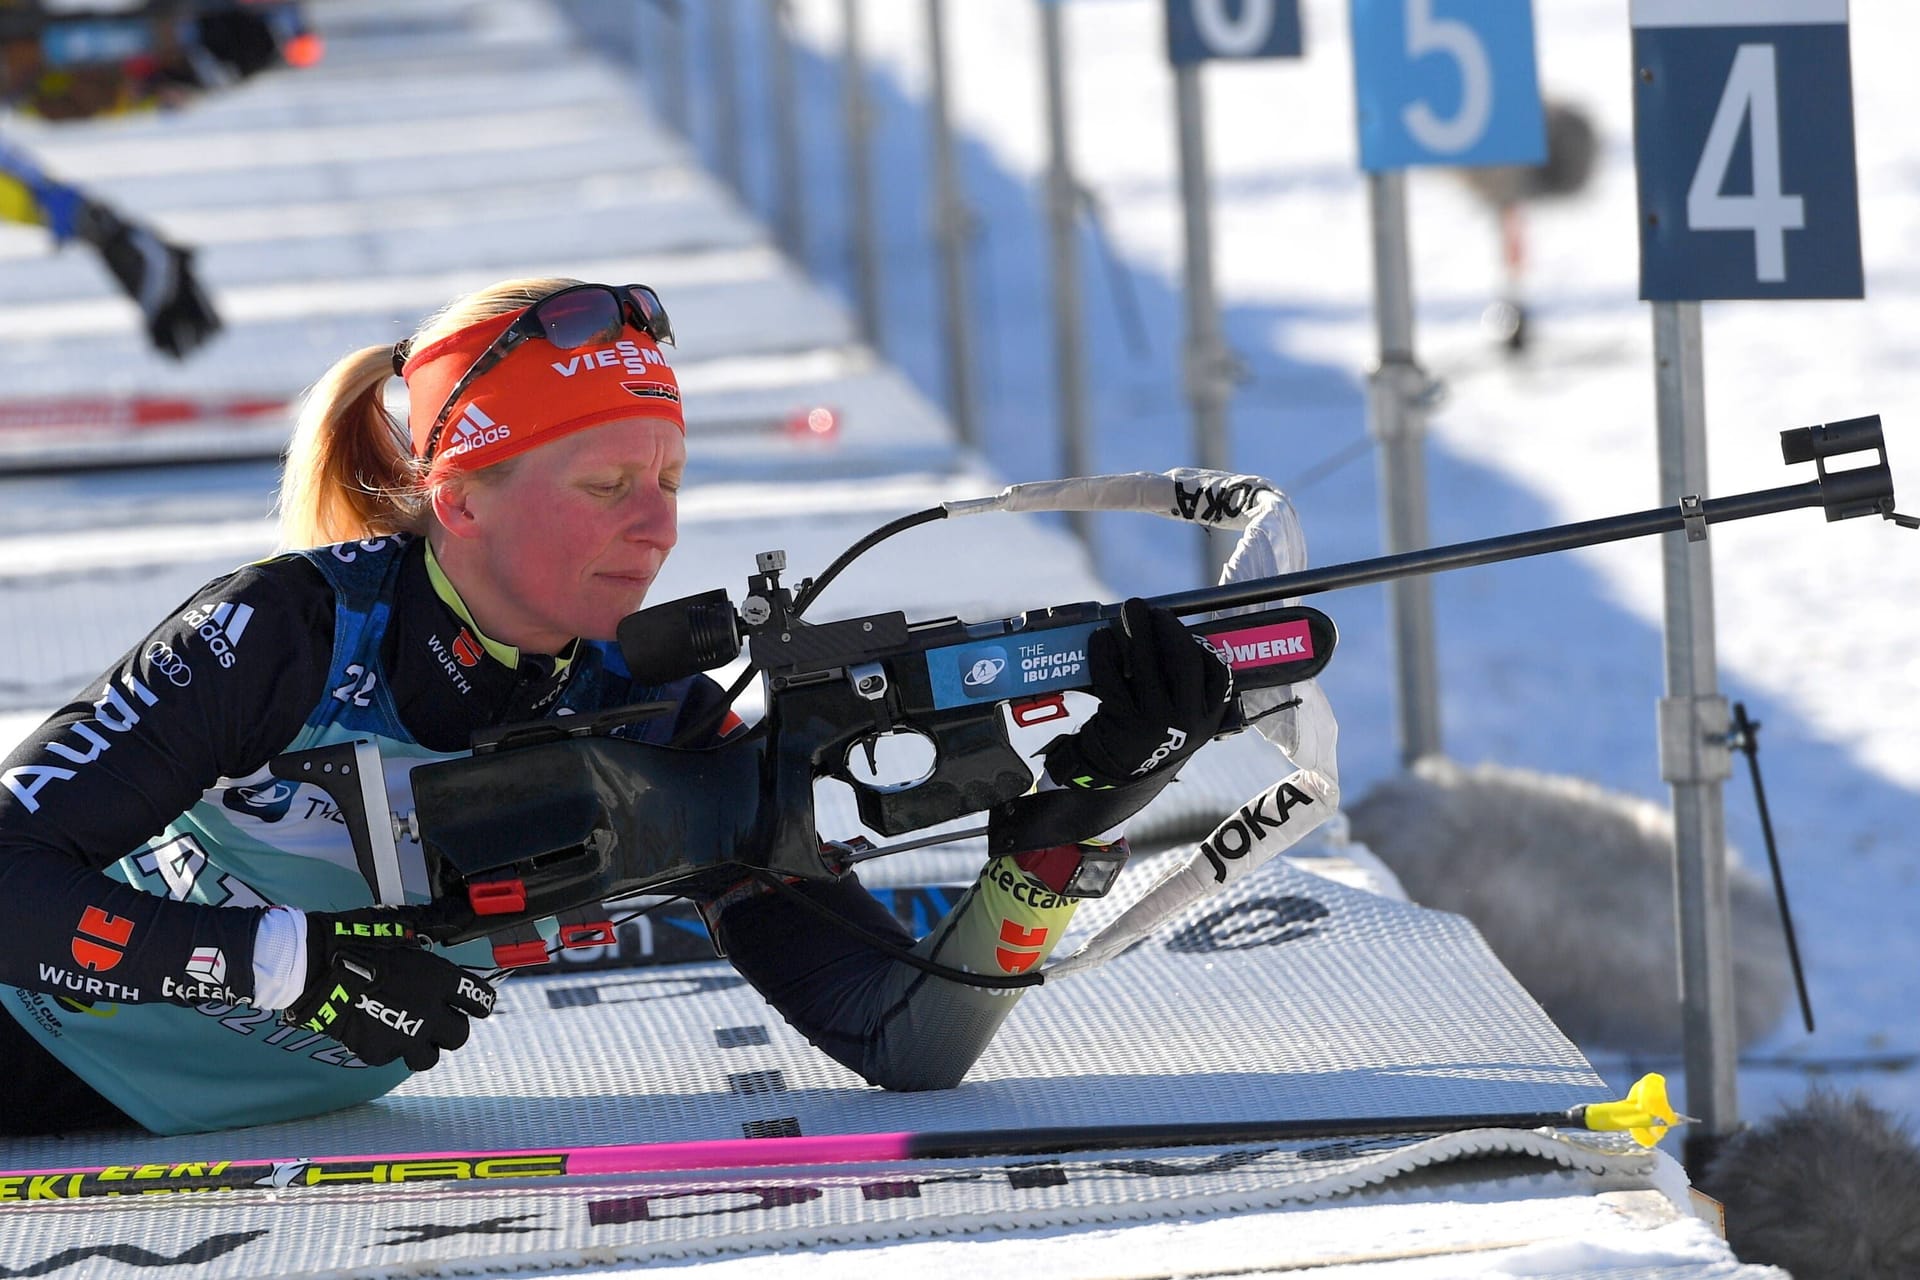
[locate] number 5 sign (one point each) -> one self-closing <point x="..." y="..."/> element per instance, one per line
<point x="1446" y="82"/>
<point x="1743" y="139"/>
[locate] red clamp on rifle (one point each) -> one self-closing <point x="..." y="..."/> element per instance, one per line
<point x="1085" y="870"/>
<point x="1032" y="711"/>
<point x="518" y="946"/>
<point x="497" y="897"/>
<point x="586" y="927"/>
<point x="523" y="946"/>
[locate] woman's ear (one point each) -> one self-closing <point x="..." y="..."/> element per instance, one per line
<point x="453" y="507"/>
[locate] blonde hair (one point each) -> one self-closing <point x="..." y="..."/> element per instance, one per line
<point x="350" y="472"/>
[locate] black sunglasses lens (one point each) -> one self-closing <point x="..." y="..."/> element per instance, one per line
<point x="652" y="313"/>
<point x="579" y="317"/>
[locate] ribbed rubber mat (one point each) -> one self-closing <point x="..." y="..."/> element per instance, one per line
<point x="1288" y="997"/>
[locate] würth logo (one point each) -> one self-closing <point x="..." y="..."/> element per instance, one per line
<point x="1020" y="946"/>
<point x="99" y="939"/>
<point x="221" y="626"/>
<point x="466" y="650"/>
<point x="473" y="430"/>
<point x="454" y="658"/>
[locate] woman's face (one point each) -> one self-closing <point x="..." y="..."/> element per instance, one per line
<point x="567" y="542"/>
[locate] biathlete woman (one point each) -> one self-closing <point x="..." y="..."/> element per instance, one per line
<point x="188" y="943"/>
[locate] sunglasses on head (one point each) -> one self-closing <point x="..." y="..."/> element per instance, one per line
<point x="580" y="315"/>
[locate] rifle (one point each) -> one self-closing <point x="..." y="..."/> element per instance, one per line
<point x="554" y="817"/>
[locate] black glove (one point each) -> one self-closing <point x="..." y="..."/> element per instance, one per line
<point x="373" y="985"/>
<point x="1163" y="695"/>
<point x="155" y="274"/>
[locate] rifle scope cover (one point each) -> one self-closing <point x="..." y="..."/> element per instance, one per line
<point x="671" y="641"/>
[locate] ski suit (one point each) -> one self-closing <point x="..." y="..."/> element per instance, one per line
<point x="141" y="838"/>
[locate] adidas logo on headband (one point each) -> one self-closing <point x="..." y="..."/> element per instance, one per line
<point x="472" y="430"/>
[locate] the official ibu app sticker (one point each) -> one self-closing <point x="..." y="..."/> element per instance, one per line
<point x="1011" y="668"/>
<point x="985" y="676"/>
<point x="1053" y="660"/>
<point x="1265" y="646"/>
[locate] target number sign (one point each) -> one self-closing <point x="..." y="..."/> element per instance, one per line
<point x="1446" y="82"/>
<point x="1743" y="145"/>
<point x="1205" y="30"/>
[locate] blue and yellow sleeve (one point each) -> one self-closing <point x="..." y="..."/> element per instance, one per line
<point x="28" y="195"/>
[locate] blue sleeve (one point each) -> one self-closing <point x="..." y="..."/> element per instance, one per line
<point x="57" y="204"/>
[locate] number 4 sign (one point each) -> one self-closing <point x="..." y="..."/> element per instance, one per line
<point x="1743" y="139"/>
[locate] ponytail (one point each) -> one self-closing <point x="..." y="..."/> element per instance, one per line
<point x="350" y="472"/>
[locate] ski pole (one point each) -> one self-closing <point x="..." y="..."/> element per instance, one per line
<point x="1644" y="1113"/>
<point x="1745" y="738"/>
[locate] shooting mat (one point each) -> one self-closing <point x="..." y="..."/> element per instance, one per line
<point x="1290" y="996"/>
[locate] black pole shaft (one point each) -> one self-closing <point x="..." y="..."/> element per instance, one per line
<point x="1748" y="735"/>
<point x="1513" y="546"/>
<point x="970" y="1144"/>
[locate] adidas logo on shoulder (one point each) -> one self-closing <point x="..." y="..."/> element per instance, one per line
<point x="221" y="626"/>
<point x="472" y="430"/>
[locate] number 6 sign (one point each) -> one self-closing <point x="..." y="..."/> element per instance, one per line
<point x="1743" y="140"/>
<point x="1202" y="30"/>
<point x="1448" y="82"/>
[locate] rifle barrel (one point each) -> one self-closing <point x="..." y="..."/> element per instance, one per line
<point x="1512" y="546"/>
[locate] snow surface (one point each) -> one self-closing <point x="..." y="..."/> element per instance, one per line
<point x="1477" y="1231"/>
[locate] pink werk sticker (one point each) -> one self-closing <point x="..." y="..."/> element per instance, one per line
<point x="1264" y="646"/>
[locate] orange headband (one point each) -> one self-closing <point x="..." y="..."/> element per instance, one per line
<point x="538" y="393"/>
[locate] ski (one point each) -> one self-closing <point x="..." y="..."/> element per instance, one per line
<point x="42" y="435"/>
<point x="131" y="413"/>
<point x="1644" y="1112"/>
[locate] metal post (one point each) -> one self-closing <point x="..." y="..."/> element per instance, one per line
<point x="1398" y="393"/>
<point x="792" y="224"/>
<point x="953" y="230"/>
<point x="1208" y="364"/>
<point x="865" y="247"/>
<point x="1695" y="755"/>
<point x="639" y="21"/>
<point x="672" y="61"/>
<point x="1064" y="255"/>
<point x="723" y="74"/>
